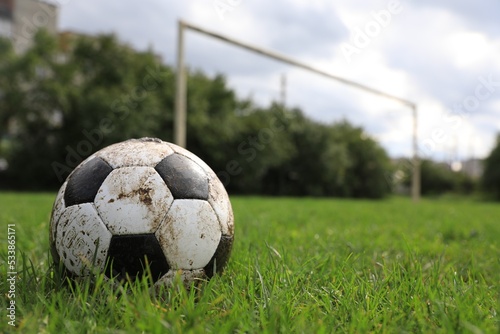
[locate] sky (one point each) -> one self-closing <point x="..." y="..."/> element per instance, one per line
<point x="443" y="56"/>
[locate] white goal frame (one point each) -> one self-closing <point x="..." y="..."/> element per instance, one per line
<point x="181" y="91"/>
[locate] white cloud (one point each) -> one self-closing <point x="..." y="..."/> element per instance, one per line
<point x="467" y="48"/>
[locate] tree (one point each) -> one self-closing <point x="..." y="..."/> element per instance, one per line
<point x="368" y="163"/>
<point x="212" y="125"/>
<point x="332" y="160"/>
<point x="59" y="106"/>
<point x="491" y="176"/>
<point x="439" y="178"/>
<point x="436" y="178"/>
<point x="316" y="164"/>
<point x="26" y="120"/>
<point x="62" y="101"/>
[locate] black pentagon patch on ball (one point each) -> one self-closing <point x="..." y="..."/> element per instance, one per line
<point x="221" y="256"/>
<point x="85" y="181"/>
<point x="129" y="254"/>
<point x="185" y="178"/>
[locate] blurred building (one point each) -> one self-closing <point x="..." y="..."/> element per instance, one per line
<point x="473" y="167"/>
<point x="21" y="19"/>
<point x="6" y="18"/>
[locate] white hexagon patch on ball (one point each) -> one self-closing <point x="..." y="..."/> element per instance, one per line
<point x="142" y="203"/>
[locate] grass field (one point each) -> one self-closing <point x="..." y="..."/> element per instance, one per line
<point x="298" y="266"/>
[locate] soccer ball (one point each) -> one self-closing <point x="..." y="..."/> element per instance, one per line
<point x="142" y="204"/>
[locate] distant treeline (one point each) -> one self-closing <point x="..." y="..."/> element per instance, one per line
<point x="63" y="100"/>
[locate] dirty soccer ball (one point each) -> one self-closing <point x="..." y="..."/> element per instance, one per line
<point x="139" y="205"/>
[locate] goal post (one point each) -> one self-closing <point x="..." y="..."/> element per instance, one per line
<point x="181" y="92"/>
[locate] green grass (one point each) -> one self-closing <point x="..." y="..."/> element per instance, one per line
<point x="298" y="266"/>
